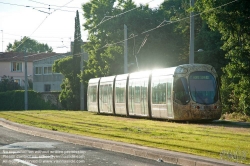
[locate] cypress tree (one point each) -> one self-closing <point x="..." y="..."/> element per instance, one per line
<point x="75" y="83"/>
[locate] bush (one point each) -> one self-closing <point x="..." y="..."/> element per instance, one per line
<point x="235" y="117"/>
<point x="14" y="100"/>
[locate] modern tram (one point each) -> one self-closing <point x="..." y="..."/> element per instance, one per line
<point x="186" y="92"/>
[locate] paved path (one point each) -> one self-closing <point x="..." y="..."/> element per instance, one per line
<point x="20" y="149"/>
<point x="140" y="151"/>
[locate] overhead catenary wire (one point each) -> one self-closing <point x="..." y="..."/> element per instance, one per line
<point x="39" y="36"/>
<point x="38" y="7"/>
<point x="54" y="5"/>
<point x="103" y="20"/>
<point x="115" y="16"/>
<point x="168" y="23"/>
<point x="112" y="17"/>
<point x="39" y="26"/>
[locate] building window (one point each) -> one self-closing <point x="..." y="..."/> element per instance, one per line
<point x="16" y="66"/>
<point x="47" y="87"/>
<point x="47" y="70"/>
<point x="38" y="70"/>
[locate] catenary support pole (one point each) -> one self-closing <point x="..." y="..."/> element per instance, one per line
<point x="82" y="86"/>
<point x="26" y="85"/>
<point x="191" y="49"/>
<point x="125" y="49"/>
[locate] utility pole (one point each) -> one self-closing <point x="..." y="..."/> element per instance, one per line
<point x="82" y="86"/>
<point x="125" y="49"/>
<point x="26" y="83"/>
<point x="191" y="45"/>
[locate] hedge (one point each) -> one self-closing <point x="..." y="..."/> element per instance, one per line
<point x="14" y="100"/>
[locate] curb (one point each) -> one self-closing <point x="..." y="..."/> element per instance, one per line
<point x="136" y="150"/>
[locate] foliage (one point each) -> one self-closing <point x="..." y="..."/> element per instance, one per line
<point x="69" y="99"/>
<point x="232" y="21"/>
<point x="70" y="68"/>
<point x="235" y="116"/>
<point x="151" y="43"/>
<point x="8" y="84"/>
<point x="14" y="100"/>
<point x="28" y="45"/>
<point x="210" y="42"/>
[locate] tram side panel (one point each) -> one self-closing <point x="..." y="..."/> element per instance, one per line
<point x="161" y="97"/>
<point x="161" y="93"/>
<point x="92" y="95"/>
<point x="106" y="88"/>
<point x="138" y="94"/>
<point x="120" y="89"/>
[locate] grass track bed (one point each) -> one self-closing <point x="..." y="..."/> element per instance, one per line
<point x="201" y="139"/>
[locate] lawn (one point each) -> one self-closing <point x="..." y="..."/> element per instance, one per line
<point x="221" y="139"/>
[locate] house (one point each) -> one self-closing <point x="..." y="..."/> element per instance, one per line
<point x="44" y="79"/>
<point x="39" y="69"/>
<point x="12" y="64"/>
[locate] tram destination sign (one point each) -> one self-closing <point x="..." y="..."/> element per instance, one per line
<point x="200" y="77"/>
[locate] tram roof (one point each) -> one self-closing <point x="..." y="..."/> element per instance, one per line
<point x="141" y="74"/>
<point x="121" y="77"/>
<point x="107" y="79"/>
<point x="94" y="80"/>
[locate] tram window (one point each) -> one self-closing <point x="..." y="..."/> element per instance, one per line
<point x="92" y="93"/>
<point x="181" y="91"/>
<point x="159" y="91"/>
<point x="137" y="94"/>
<point x="203" y="87"/>
<point x="105" y="93"/>
<point x="120" y="93"/>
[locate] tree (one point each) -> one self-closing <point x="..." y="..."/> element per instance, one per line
<point x="153" y="45"/>
<point x="70" y="68"/>
<point x="232" y="21"/>
<point x="8" y="84"/>
<point x="28" y="45"/>
<point x="210" y="42"/>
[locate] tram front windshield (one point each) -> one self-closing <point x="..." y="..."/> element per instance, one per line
<point x="203" y="87"/>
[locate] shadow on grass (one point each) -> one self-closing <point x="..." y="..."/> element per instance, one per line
<point x="224" y="123"/>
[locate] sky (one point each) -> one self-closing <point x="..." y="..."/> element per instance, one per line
<point x="55" y="29"/>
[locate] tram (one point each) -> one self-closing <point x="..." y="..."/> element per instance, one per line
<point x="185" y="92"/>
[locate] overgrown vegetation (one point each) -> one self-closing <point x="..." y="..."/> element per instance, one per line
<point x="238" y="117"/>
<point x="208" y="139"/>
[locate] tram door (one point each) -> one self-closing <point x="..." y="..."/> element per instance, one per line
<point x="137" y="100"/>
<point x="161" y="106"/>
<point x="169" y="98"/>
<point x="105" y="99"/>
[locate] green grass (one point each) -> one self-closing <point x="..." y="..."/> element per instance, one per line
<point x="221" y="139"/>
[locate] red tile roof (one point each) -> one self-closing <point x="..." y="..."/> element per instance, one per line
<point x="14" y="56"/>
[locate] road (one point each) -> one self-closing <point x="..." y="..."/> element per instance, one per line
<point x="26" y="150"/>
